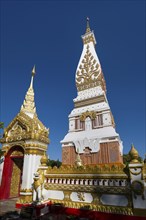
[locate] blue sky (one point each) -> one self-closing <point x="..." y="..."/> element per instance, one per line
<point x="48" y="34"/>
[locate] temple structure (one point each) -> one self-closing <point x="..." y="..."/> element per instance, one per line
<point x="91" y="124"/>
<point x="93" y="176"/>
<point x="24" y="142"/>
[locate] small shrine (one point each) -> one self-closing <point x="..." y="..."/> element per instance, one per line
<point x="24" y="142"/>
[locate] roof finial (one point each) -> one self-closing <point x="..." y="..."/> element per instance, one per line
<point x="134" y="154"/>
<point x="33" y="71"/>
<point x="88" y="26"/>
<point x="28" y="104"/>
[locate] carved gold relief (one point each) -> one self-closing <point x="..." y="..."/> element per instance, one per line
<point x="26" y="190"/>
<point x="71" y="169"/>
<point x="23" y="128"/>
<point x="67" y="195"/>
<point x="86" y="114"/>
<point x="15" y="181"/>
<point x="17" y="129"/>
<point x="34" y="146"/>
<point x="90" y="101"/>
<point x="101" y="208"/>
<point x="89" y="74"/>
<point x="81" y="196"/>
<point x="87" y="188"/>
<point x="34" y="151"/>
<point x="23" y="199"/>
<point x="17" y="153"/>
<point x="88" y="39"/>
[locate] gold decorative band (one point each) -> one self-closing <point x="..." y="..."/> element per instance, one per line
<point x="90" y="101"/>
<point x="35" y="151"/>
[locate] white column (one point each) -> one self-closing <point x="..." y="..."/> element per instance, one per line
<point x="26" y="171"/>
<point x="31" y="164"/>
<point x="1" y="167"/>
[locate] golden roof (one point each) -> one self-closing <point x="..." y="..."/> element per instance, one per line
<point x="24" y="127"/>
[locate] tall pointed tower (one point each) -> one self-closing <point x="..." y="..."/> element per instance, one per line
<point x="91" y="124"/>
<point x="24" y="142"/>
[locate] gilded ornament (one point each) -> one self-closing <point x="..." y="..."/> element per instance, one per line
<point x="89" y="73"/>
<point x="15" y="181"/>
<point x="26" y="190"/>
<point x="24" y="128"/>
<point x="44" y="160"/>
<point x="17" y="153"/>
<point x="134" y="155"/>
<point x="92" y="169"/>
<point x="81" y="196"/>
<point x="24" y="199"/>
<point x="34" y="151"/>
<point x="90" y="101"/>
<point x="67" y="195"/>
<point x="91" y="114"/>
<point x="88" y="39"/>
<point x="101" y="208"/>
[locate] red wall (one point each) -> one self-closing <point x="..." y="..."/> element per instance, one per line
<point x="7" y="173"/>
<point x="6" y="178"/>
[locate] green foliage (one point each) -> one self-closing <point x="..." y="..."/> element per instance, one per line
<point x="1" y="125"/>
<point x="54" y="163"/>
<point x="1" y="153"/>
<point x="127" y="158"/>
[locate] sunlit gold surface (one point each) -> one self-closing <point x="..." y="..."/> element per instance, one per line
<point x="25" y="128"/>
<point x="94" y="207"/>
<point x="86" y="169"/>
<point x="89" y="74"/>
<point x="86" y="114"/>
<point x="15" y="181"/>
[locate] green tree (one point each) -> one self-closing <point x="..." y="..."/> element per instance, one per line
<point x="1" y="125"/>
<point x="1" y="153"/>
<point x="54" y="163"/>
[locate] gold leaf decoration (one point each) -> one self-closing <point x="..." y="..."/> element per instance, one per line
<point x="89" y="73"/>
<point x="86" y="114"/>
<point x="81" y="196"/>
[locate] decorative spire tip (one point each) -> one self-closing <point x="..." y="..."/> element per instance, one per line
<point x="88" y="26"/>
<point x="33" y="71"/>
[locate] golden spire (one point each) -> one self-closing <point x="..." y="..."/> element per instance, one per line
<point x="88" y="26"/>
<point x="28" y="105"/>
